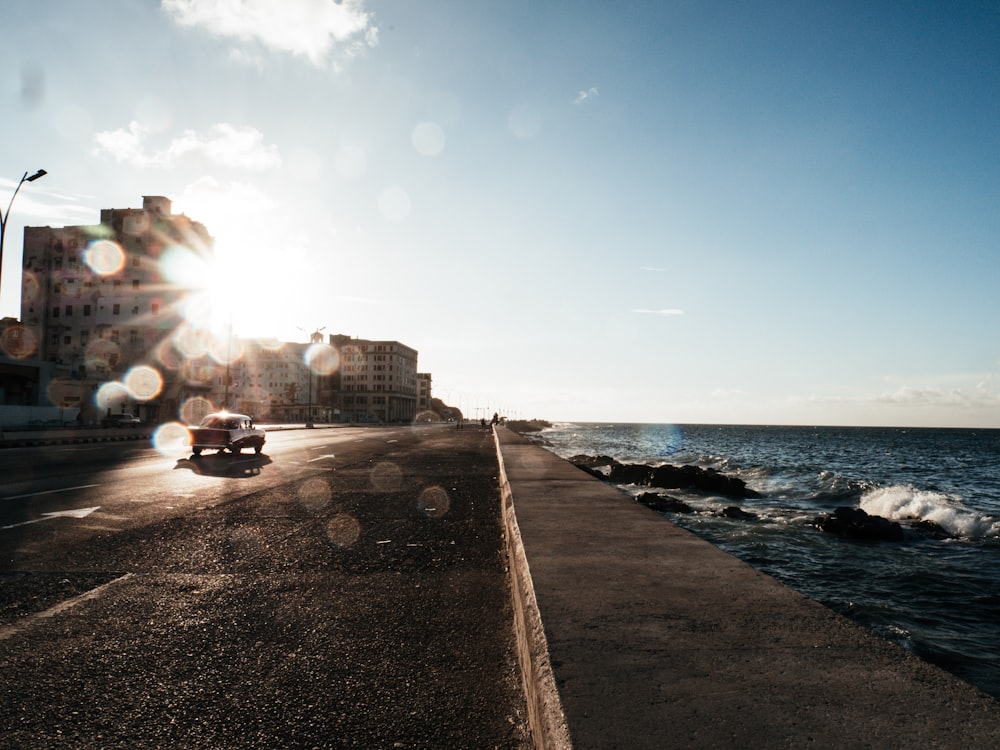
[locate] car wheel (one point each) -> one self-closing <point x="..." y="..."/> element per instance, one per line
<point x="196" y="451"/>
<point x="258" y="448"/>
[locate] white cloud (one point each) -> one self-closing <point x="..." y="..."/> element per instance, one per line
<point x="664" y="312"/>
<point x="313" y="29"/>
<point x="225" y="145"/>
<point x="586" y="94"/>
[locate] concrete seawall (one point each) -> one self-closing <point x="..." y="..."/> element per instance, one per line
<point x="634" y="633"/>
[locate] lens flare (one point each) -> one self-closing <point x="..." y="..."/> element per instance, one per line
<point x="386" y="477"/>
<point x="191" y="342"/>
<point x="111" y="395"/>
<point x="428" y="139"/>
<point x="18" y="342"/>
<point x="63" y="391"/>
<point x="343" y="530"/>
<point x="31" y="288"/>
<point x="322" y="359"/>
<point x="194" y="409"/>
<point x="104" y="257"/>
<point x="143" y="382"/>
<point x="171" y="438"/>
<point x="102" y="353"/>
<point x="314" y="494"/>
<point x="434" y="502"/>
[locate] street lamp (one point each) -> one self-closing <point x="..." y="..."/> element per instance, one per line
<point x="314" y="338"/>
<point x="5" y="216"/>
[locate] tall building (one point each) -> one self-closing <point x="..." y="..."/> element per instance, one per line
<point x="424" y="394"/>
<point x="375" y="382"/>
<point x="96" y="302"/>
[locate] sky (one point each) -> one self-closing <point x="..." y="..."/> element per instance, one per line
<point x="664" y="211"/>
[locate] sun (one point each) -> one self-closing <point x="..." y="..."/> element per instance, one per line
<point x="251" y="281"/>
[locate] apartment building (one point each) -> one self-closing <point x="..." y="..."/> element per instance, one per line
<point x="375" y="382"/>
<point x="424" y="394"/>
<point x="96" y="302"/>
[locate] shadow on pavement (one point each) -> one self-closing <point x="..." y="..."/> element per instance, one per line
<point x="225" y="465"/>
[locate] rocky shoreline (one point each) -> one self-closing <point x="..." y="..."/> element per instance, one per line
<point x="844" y="521"/>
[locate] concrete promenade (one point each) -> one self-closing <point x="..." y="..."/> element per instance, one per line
<point x="650" y="637"/>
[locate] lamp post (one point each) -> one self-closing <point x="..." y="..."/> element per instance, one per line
<point x="5" y="216"/>
<point x="314" y="338"/>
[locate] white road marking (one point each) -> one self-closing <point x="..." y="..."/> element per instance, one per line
<point x="320" y="458"/>
<point x="8" y="630"/>
<point x="50" y="492"/>
<point x="78" y="513"/>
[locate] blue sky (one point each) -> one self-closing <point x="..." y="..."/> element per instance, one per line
<point x="777" y="213"/>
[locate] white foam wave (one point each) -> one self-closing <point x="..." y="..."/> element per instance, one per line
<point x="902" y="502"/>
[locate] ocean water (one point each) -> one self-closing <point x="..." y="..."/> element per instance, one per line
<point x="937" y="595"/>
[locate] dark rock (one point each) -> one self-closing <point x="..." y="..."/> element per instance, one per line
<point x="933" y="530"/>
<point x="857" y="524"/>
<point x="592" y="462"/>
<point x="664" y="503"/>
<point x="593" y="472"/>
<point x="629" y="473"/>
<point x="695" y="478"/>
<point x="738" y="514"/>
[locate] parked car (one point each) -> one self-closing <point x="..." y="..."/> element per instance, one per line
<point x="225" y="431"/>
<point x="121" y="420"/>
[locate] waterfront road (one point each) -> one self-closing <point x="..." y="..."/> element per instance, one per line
<point x="346" y="588"/>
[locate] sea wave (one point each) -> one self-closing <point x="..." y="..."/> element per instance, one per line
<point x="907" y="503"/>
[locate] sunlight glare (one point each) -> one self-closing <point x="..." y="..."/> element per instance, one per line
<point x="102" y="353"/>
<point x="321" y="359"/>
<point x="169" y="438"/>
<point x="104" y="257"/>
<point x="143" y="382"/>
<point x="194" y="409"/>
<point x="111" y="395"/>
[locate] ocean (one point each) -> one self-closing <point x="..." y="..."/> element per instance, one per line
<point x="936" y="592"/>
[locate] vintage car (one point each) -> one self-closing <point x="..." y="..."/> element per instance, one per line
<point x="121" y="420"/>
<point x="224" y="431"/>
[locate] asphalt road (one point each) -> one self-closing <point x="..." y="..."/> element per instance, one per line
<point x="346" y="588"/>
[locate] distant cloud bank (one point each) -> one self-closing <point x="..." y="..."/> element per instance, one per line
<point x="312" y="29"/>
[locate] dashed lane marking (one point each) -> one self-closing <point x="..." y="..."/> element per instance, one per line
<point x="7" y="631"/>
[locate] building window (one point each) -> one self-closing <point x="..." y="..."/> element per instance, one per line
<point x="67" y="340"/>
<point x="135" y="283"/>
<point x="86" y="310"/>
<point x="55" y="312"/>
<point x="69" y="310"/>
<point x="117" y="309"/>
<point x="84" y="336"/>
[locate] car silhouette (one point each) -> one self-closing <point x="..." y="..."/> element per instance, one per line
<point x="225" y="431"/>
<point x="121" y="420"/>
